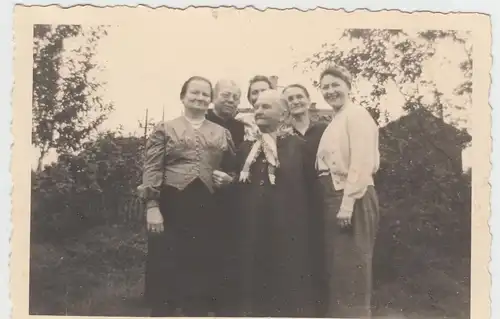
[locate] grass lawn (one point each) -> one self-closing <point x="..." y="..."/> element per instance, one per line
<point x="101" y="273"/>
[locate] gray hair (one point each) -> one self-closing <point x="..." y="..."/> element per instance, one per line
<point x="223" y="82"/>
<point x="276" y="96"/>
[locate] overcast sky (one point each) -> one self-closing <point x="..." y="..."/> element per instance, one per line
<point x="146" y="64"/>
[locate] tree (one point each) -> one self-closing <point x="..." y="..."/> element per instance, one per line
<point x="66" y="105"/>
<point x="464" y="89"/>
<point x="383" y="58"/>
<point x="425" y="199"/>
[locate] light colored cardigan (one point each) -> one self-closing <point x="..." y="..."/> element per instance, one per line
<point x="349" y="151"/>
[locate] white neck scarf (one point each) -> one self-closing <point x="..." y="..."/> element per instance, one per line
<point x="266" y="143"/>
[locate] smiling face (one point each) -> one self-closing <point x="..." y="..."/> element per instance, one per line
<point x="226" y="99"/>
<point x="269" y="111"/>
<point x="335" y="91"/>
<point x="297" y="99"/>
<point x="198" y="95"/>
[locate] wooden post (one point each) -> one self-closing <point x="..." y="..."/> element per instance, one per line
<point x="146" y="126"/>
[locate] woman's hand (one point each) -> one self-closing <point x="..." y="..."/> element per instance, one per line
<point x="221" y="179"/>
<point x="154" y="220"/>
<point x="344" y="218"/>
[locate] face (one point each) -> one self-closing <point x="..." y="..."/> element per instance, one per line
<point x="255" y="90"/>
<point x="335" y="91"/>
<point x="197" y="95"/>
<point x="297" y="100"/>
<point x="227" y="99"/>
<point x="268" y="114"/>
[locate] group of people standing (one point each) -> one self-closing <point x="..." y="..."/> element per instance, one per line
<point x="273" y="217"/>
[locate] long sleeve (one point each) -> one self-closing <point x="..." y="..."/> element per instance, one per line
<point x="364" y="156"/>
<point x="229" y="165"/>
<point x="324" y="145"/>
<point x="153" y="173"/>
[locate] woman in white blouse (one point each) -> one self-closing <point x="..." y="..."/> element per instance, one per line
<point x="348" y="157"/>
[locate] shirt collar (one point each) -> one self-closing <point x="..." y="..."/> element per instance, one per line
<point x="306" y="131"/>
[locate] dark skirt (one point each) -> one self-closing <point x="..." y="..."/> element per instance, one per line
<point x="349" y="253"/>
<point x="230" y="228"/>
<point x="276" y="275"/>
<point x="183" y="263"/>
<point x="317" y="250"/>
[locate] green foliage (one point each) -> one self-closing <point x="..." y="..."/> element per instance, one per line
<point x="425" y="198"/>
<point x="87" y="188"/>
<point x="66" y="106"/>
<point x="423" y="239"/>
<point x="383" y="57"/>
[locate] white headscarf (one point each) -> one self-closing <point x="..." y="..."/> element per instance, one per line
<point x="264" y="142"/>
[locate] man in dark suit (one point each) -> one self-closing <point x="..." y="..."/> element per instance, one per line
<point x="226" y="100"/>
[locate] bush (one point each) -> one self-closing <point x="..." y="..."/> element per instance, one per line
<point x="87" y="188"/>
<point x="424" y="196"/>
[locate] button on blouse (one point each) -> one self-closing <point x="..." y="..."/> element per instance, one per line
<point x="177" y="154"/>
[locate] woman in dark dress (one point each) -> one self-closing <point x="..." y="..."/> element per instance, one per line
<point x="274" y="207"/>
<point x="184" y="161"/>
<point x="299" y="103"/>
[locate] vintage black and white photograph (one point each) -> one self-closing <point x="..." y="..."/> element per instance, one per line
<point x="218" y="162"/>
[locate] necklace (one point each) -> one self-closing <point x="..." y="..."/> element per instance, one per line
<point x="195" y="123"/>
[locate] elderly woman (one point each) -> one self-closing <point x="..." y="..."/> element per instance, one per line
<point x="274" y="208"/>
<point x="183" y="166"/>
<point x="347" y="158"/>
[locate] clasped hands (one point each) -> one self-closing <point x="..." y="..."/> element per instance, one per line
<point x="154" y="218"/>
<point x="221" y="179"/>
